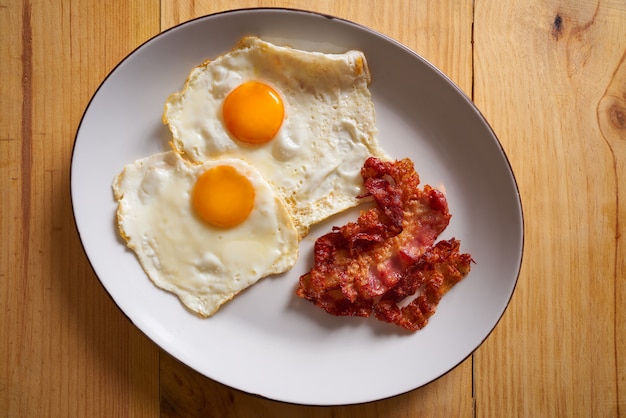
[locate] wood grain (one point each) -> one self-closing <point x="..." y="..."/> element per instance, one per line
<point x="556" y="351"/>
<point x="549" y="76"/>
<point x="67" y="350"/>
<point x="612" y="122"/>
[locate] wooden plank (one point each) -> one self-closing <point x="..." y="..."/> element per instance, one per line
<point x="612" y="123"/>
<point x="11" y="87"/>
<point x="557" y="350"/>
<point x="441" y="32"/>
<point x="71" y="352"/>
<point x="550" y="77"/>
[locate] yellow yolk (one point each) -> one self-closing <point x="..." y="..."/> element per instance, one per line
<point x="223" y="197"/>
<point x="253" y="112"/>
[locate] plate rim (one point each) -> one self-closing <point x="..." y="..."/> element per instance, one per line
<point x="357" y="26"/>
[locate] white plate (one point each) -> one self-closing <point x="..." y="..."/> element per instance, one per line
<point x="267" y="341"/>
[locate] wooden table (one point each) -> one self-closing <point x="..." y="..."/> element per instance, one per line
<point x="549" y="76"/>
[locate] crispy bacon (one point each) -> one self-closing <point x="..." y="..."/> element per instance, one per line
<point x="373" y="265"/>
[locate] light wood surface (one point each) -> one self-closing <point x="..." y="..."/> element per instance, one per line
<point x="549" y="76"/>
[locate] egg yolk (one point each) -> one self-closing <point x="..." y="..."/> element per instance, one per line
<point x="223" y="197"/>
<point x="253" y="112"/>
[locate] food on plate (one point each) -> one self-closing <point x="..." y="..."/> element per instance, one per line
<point x="204" y="232"/>
<point x="305" y="120"/>
<point x="267" y="140"/>
<point x="387" y="263"/>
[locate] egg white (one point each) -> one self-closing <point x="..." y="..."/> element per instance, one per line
<point x="329" y="129"/>
<point x="205" y="266"/>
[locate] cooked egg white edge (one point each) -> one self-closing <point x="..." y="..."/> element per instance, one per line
<point x="316" y="171"/>
<point x="204" y="265"/>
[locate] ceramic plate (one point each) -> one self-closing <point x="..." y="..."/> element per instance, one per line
<point x="267" y="341"/>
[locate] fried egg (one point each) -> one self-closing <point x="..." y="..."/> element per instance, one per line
<point x="306" y="120"/>
<point x="204" y="232"/>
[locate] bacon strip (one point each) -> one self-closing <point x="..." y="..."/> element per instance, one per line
<point x="373" y="265"/>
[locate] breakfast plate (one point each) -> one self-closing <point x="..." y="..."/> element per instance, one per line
<point x="267" y="341"/>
